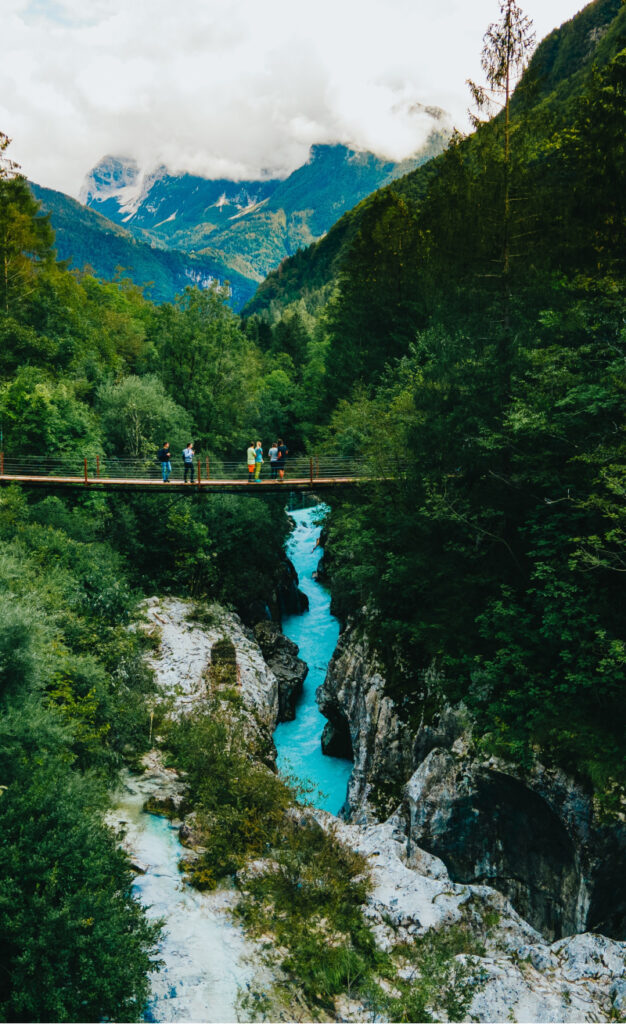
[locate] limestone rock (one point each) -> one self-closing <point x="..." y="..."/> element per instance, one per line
<point x="521" y="976"/>
<point x="534" y="835"/>
<point x="183" y="659"/>
<point x="281" y="656"/>
<point x="364" y="720"/>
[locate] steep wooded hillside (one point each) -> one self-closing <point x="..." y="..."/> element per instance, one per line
<point x="553" y="80"/>
<point x="85" y="238"/>
<point x="466" y="328"/>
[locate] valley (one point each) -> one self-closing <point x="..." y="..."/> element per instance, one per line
<point x="316" y="751"/>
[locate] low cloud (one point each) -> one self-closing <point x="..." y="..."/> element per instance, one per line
<point x="233" y="89"/>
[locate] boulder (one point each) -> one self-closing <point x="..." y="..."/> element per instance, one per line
<point x="281" y="656"/>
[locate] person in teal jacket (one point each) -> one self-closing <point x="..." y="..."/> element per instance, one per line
<point x="258" y="460"/>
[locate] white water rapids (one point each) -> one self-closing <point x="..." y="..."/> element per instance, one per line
<point x="206" y="956"/>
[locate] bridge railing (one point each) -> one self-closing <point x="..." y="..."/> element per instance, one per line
<point x="100" y="467"/>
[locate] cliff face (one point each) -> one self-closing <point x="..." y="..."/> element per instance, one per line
<point x="534" y="836"/>
<point x="285" y="599"/>
<point x="362" y="723"/>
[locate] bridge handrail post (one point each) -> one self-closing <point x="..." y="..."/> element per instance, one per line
<point x="208" y="468"/>
<point x="97" y="465"/>
<point x="85" y="469"/>
<point x="311" y="470"/>
<point x="199" y="471"/>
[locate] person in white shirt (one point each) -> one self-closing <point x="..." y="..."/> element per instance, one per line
<point x="250" y="456"/>
<point x="273" y="457"/>
<point x="188" y="454"/>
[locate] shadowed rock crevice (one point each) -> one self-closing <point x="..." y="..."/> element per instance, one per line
<point x="489" y="828"/>
<point x="336" y="741"/>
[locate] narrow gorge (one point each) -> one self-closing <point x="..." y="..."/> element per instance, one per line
<point x="513" y="898"/>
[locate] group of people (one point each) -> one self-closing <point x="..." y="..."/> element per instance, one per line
<point x="277" y="455"/>
<point x="164" y="456"/>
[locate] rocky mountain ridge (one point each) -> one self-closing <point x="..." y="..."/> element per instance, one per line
<point x="252" y="225"/>
<point x="118" y="189"/>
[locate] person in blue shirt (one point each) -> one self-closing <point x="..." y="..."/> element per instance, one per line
<point x="258" y="460"/>
<point x="188" y="454"/>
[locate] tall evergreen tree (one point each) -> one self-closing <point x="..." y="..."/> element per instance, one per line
<point x="508" y="44"/>
<point x="26" y="238"/>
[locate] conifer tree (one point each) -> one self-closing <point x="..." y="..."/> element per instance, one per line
<point x="508" y="44"/>
<point x="26" y="237"/>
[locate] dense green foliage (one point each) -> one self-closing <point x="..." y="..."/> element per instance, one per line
<point x="75" y="944"/>
<point x="239" y="804"/>
<point x="473" y="347"/>
<point x="89" y="368"/>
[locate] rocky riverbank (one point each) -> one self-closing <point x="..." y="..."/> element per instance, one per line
<point x="512" y="970"/>
<point x="520" y="976"/>
<point x="482" y="830"/>
<point x="208" y="963"/>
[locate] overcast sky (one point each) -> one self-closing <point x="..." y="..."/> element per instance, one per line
<point x="233" y="87"/>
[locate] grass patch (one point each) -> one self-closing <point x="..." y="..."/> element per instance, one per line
<point x="239" y="803"/>
<point x="208" y="615"/>
<point x="311" y="899"/>
<point x="430" y="981"/>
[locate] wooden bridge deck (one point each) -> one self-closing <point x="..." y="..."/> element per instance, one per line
<point x="106" y="473"/>
<point x="177" y="486"/>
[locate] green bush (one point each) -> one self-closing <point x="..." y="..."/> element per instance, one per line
<point x="74" y="943"/>
<point x="239" y="804"/>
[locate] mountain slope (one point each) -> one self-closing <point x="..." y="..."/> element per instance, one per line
<point x="86" y="238"/>
<point x="253" y="225"/>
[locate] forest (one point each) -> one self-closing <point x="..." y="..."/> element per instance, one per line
<point x="473" y="323"/>
<point x="463" y="330"/>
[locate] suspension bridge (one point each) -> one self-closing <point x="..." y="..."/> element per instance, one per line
<point x="105" y="473"/>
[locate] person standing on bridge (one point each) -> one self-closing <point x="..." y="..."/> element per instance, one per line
<point x="164" y="456"/>
<point x="188" y="454"/>
<point x="273" y="457"/>
<point x="251" y="457"/>
<point x="258" y="461"/>
<point x="283" y="452"/>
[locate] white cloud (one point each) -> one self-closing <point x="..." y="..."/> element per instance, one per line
<point x="235" y="87"/>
